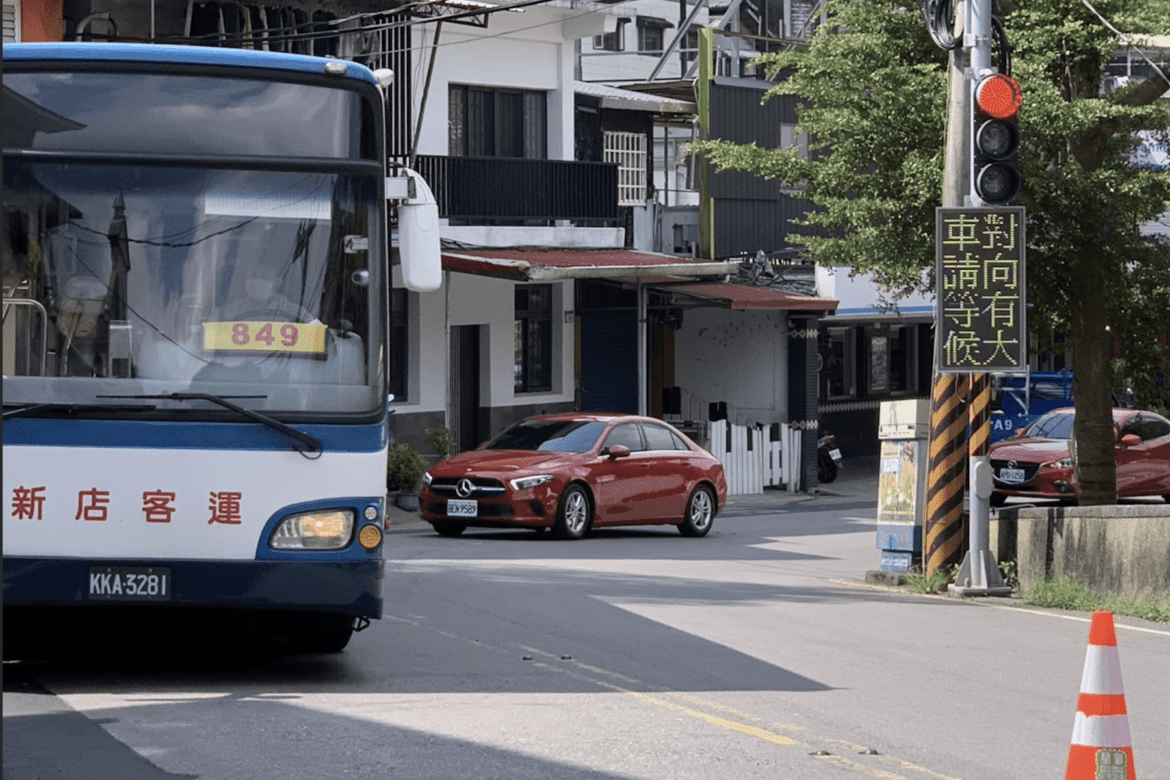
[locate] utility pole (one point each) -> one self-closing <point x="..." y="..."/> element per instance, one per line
<point x="979" y="574"/>
<point x="948" y="416"/>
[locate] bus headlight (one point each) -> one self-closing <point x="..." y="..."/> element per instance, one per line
<point x="330" y="530"/>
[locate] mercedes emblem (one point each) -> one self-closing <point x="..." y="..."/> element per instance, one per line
<point x="464" y="488"/>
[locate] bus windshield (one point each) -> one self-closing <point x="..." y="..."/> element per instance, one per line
<point x="183" y="114"/>
<point x="252" y="283"/>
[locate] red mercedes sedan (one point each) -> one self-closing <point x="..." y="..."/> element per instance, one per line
<point x="573" y="472"/>
<point x="1036" y="463"/>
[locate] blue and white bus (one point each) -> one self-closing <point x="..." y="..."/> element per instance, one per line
<point x="195" y="325"/>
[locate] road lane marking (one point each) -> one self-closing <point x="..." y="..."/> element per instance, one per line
<point x="904" y="764"/>
<point x="845" y="763"/>
<point x="1080" y="619"/>
<point x="714" y="720"/>
<point x="595" y="673"/>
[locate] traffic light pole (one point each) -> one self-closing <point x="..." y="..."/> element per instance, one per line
<point x="979" y="573"/>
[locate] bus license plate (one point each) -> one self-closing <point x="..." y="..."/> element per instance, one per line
<point x="1011" y="475"/>
<point x="458" y="507"/>
<point x="130" y="583"/>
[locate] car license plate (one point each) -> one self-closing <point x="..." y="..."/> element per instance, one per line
<point x="1011" y="475"/>
<point x="130" y="583"/>
<point x="459" y="507"/>
<point x="835" y="454"/>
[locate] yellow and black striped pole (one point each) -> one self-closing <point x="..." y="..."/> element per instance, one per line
<point x="947" y="475"/>
<point x="979" y="413"/>
<point x="979" y="573"/>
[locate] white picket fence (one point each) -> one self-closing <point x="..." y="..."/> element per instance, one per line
<point x="752" y="461"/>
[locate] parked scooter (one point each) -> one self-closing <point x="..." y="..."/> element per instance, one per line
<point x="828" y="458"/>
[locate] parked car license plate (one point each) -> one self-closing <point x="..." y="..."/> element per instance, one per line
<point x="130" y="583"/>
<point x="461" y="507"/>
<point x="1011" y="475"/>
<point x="835" y="454"/>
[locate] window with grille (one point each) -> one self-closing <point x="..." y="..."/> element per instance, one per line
<point x="486" y="122"/>
<point x="533" y="338"/>
<point x="612" y="41"/>
<point x="628" y="150"/>
<point x="652" y="34"/>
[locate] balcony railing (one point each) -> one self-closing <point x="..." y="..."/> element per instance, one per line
<point x="505" y="190"/>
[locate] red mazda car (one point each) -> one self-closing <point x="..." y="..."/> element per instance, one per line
<point x="1035" y="463"/>
<point x="573" y="472"/>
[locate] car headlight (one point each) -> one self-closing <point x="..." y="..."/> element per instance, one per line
<point x="329" y="530"/>
<point x="426" y="477"/>
<point x="1063" y="463"/>
<point x="523" y="483"/>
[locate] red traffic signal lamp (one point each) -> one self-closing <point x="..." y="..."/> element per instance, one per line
<point x="995" y="139"/>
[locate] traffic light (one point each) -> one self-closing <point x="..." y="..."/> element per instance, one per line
<point x="995" y="180"/>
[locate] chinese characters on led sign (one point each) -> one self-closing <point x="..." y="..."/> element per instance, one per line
<point x="980" y="288"/>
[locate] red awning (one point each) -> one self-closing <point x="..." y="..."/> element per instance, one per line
<point x="742" y="296"/>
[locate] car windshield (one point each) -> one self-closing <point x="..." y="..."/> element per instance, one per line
<point x="549" y="436"/>
<point x="1051" y="426"/>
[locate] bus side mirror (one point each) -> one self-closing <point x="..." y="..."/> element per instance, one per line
<point x="418" y="234"/>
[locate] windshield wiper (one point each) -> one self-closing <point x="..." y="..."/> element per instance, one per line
<point x="312" y="444"/>
<point x="62" y="408"/>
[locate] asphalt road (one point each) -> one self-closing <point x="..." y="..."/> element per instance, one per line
<point x="757" y="652"/>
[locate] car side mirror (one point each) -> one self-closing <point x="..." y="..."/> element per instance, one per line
<point x="1130" y="440"/>
<point x="1019" y="433"/>
<point x="617" y="451"/>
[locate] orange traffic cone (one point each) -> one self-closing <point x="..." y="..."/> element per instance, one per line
<point x="1100" y="747"/>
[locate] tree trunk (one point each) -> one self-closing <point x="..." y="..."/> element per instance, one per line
<point x="1092" y="388"/>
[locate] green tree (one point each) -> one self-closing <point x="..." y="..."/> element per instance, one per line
<point x="873" y="92"/>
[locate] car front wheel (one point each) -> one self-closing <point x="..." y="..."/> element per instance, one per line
<point x="447" y="528"/>
<point x="574" y="514"/>
<point x="700" y="513"/>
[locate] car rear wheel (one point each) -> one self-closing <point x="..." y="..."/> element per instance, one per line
<point x="700" y="513"/>
<point x="447" y="528"/>
<point x="574" y="514"/>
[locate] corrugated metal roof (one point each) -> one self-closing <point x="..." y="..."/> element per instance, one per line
<point x="666" y="271"/>
<point x="544" y="264"/>
<point x="615" y="97"/>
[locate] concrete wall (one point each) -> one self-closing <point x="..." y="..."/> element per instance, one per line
<point x="520" y="51"/>
<point x="1113" y="550"/>
<point x="740" y="357"/>
<point x="466" y="299"/>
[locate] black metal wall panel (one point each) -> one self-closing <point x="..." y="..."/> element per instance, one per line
<point x="752" y="213"/>
<point x="609" y="362"/>
<point x="745" y="226"/>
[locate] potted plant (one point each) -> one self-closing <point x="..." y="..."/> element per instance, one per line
<point x="405" y="467"/>
<point x="443" y="440"/>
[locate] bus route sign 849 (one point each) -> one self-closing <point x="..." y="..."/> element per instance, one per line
<point x="980" y="290"/>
